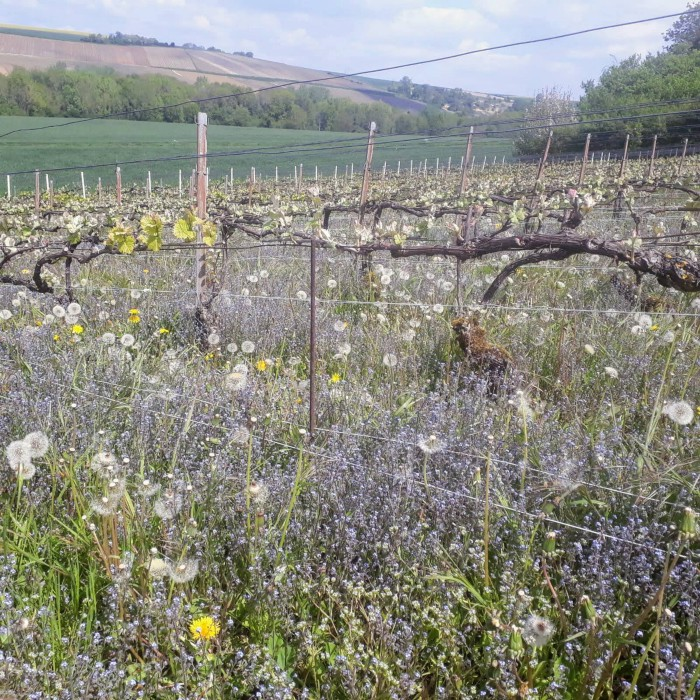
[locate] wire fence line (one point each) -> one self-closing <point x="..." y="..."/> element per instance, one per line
<point x="423" y="306"/>
<point x="540" y="517"/>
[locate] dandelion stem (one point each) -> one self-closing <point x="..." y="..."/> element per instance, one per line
<point x="487" y="482"/>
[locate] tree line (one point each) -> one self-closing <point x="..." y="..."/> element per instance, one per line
<point x="63" y="92"/>
<point x="671" y="76"/>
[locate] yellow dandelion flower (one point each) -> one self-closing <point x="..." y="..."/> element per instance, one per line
<point x="77" y="329"/>
<point x="261" y="365"/>
<point x="204" y="628"/>
<point x="654" y="328"/>
<point x="134" y="312"/>
<point x="57" y="337"/>
<point x="335" y="378"/>
<point x="163" y="331"/>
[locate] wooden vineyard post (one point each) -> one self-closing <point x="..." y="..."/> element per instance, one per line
<point x="617" y="206"/>
<point x="650" y="172"/>
<point x="312" y="340"/>
<point x="99" y="189"/>
<point x="179" y="183"/>
<point x="119" y="186"/>
<point x="367" y="171"/>
<point x="623" y="164"/>
<point x="465" y="221"/>
<point x="543" y="160"/>
<point x="301" y="176"/>
<point x="680" y="165"/>
<point x="584" y="160"/>
<point x="200" y="254"/>
<point x="50" y="194"/>
<point x="82" y="183"/>
<point x="37" y="191"/>
<point x="148" y="185"/>
<point x="9" y="186"/>
<point x="465" y="162"/>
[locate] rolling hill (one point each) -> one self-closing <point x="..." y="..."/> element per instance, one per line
<point x="40" y="48"/>
<point x="32" y="49"/>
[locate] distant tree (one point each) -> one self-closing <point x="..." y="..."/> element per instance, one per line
<point x="552" y="106"/>
<point x="684" y="34"/>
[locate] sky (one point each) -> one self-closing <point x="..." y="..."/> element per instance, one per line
<point x="356" y="35"/>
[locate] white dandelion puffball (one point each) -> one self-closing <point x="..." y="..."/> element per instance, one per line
<point x="431" y="445"/>
<point x="301" y="295"/>
<point x="438" y="308"/>
<point x="73" y="309"/>
<point x="158" y="568"/>
<point x="589" y="349"/>
<point x="5" y="314"/>
<point x="537" y="630"/>
<point x="38" y="443"/>
<point x="18" y="452"/>
<point x="331" y="284"/>
<point x="213" y="340"/>
<point x="232" y="348"/>
<point x="644" y="321"/>
<point x="108" y="338"/>
<point x="127" y="340"/>
<point x="184" y="571"/>
<point x="240" y="435"/>
<point x="611" y="372"/>
<point x="58" y="311"/>
<point x="26" y="471"/>
<point x="236" y="380"/>
<point x="390" y="360"/>
<point x="247" y="347"/>
<point x="48" y="319"/>
<point x="344" y="349"/>
<point x="680" y="412"/>
<point x="339" y="326"/>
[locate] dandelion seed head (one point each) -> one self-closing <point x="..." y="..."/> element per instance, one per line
<point x="38" y="443"/>
<point x="537" y="631"/>
<point x="390" y="360"/>
<point x="431" y="445"/>
<point x="247" y="347"/>
<point x="680" y="412"/>
<point x="184" y="571"/>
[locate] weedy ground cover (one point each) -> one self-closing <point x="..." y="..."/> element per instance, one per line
<point x="171" y="530"/>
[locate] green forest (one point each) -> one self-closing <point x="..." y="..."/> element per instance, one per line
<point x="667" y="83"/>
<point x="61" y="92"/>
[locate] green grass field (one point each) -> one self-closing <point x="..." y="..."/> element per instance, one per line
<point x="107" y="143"/>
<point x="41" y="33"/>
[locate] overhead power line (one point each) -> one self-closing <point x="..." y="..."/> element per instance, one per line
<point x="290" y="83"/>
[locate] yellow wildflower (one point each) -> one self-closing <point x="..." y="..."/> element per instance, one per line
<point x="163" y="331"/>
<point x="261" y="365"/>
<point x="335" y="378"/>
<point x="204" y="628"/>
<point x="77" y="329"/>
<point x="57" y="337"/>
